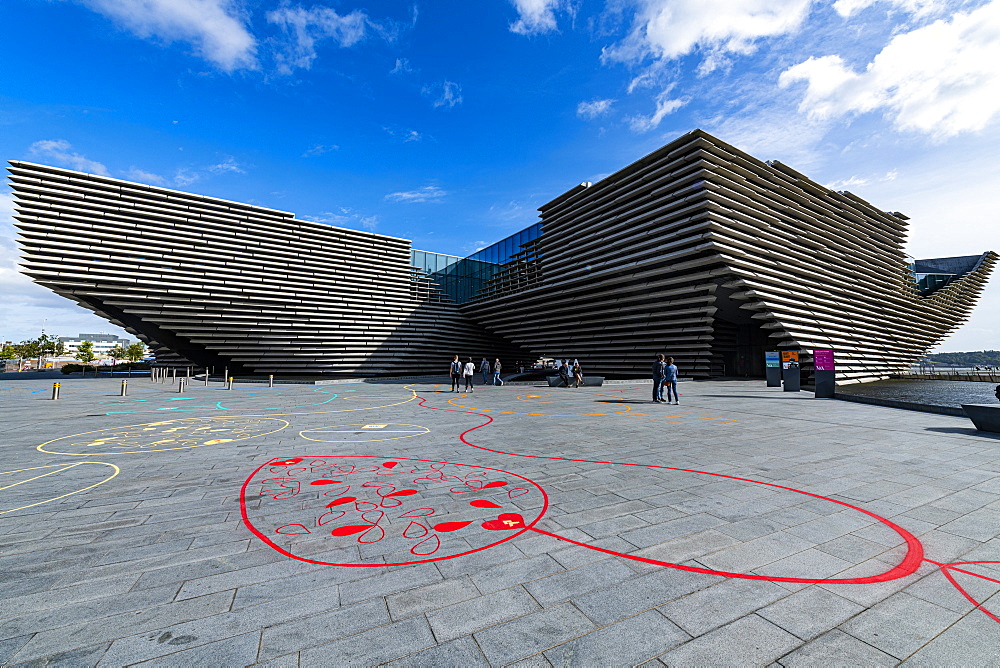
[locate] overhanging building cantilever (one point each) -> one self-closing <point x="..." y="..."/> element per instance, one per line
<point x="697" y="250"/>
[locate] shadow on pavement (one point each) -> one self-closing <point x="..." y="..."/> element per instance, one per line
<point x="967" y="431"/>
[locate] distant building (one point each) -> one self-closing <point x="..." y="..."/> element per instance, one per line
<point x="697" y="250"/>
<point x="102" y="343"/>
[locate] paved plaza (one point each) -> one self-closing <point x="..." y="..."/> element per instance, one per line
<point x="399" y="523"/>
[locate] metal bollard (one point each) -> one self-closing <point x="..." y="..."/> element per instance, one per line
<point x="270" y="381"/>
<point x="173" y="375"/>
<point x="180" y="385"/>
<point x="206" y="376"/>
<point x="229" y="385"/>
<point x="55" y="391"/>
<point x="124" y="387"/>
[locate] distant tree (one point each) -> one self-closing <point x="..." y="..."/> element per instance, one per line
<point x="43" y="346"/>
<point x="117" y="353"/>
<point x="25" y="350"/>
<point x="8" y="352"/>
<point x="135" y="352"/>
<point x="975" y="358"/>
<point x="85" y="352"/>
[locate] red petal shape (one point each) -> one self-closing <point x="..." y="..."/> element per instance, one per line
<point x="343" y="499"/>
<point x="390" y="465"/>
<point x="403" y="492"/>
<point x="412" y="528"/>
<point x="482" y="503"/>
<point x="350" y="529"/>
<point x="330" y="516"/>
<point x="432" y="545"/>
<point x="496" y="483"/>
<point x="417" y="512"/>
<point x="324" y="482"/>
<point x="445" y="527"/>
<point x="521" y="491"/>
<point x="505" y="522"/>
<point x="286" y="462"/>
<point x="377" y="534"/>
<point x="293" y="530"/>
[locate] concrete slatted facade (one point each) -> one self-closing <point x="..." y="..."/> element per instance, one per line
<point x="220" y="283"/>
<point x="707" y="254"/>
<point x="697" y="250"/>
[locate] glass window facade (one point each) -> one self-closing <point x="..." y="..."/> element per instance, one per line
<point x="462" y="279"/>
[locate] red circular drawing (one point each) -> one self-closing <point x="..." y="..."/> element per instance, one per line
<point x="363" y="510"/>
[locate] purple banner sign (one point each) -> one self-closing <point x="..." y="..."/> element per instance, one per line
<point x="823" y="359"/>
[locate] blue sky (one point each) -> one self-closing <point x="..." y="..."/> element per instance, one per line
<point x="449" y="123"/>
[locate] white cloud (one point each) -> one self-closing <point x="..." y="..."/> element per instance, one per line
<point x="446" y="94"/>
<point x="406" y="134"/>
<point x="306" y="27"/>
<point x="228" y="165"/>
<point x="855" y="181"/>
<point x="185" y="177"/>
<point x="664" y="30"/>
<point x="320" y="149"/>
<point x="848" y="183"/>
<point x="60" y="152"/>
<point x="328" y="217"/>
<point x="848" y="8"/>
<point x="344" y="216"/>
<point x="215" y="27"/>
<point x="940" y="79"/>
<point x="136" y="174"/>
<point x="594" y="108"/>
<point x="535" y="16"/>
<point x="424" y="194"/>
<point x="402" y="66"/>
<point x="664" y="105"/>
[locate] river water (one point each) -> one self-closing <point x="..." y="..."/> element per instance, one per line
<point x="936" y="392"/>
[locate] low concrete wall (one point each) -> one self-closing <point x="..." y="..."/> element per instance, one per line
<point x="905" y="405"/>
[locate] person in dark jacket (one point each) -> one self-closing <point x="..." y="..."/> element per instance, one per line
<point x="455" y="373"/>
<point x="564" y="372"/>
<point x="658" y="371"/>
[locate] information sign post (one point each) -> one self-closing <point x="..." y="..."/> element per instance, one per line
<point x="790" y="372"/>
<point x="772" y="362"/>
<point x="826" y="381"/>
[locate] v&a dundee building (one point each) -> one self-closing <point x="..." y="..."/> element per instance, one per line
<point x="697" y="250"/>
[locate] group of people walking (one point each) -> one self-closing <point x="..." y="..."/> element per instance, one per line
<point x="665" y="377"/>
<point x="467" y="370"/>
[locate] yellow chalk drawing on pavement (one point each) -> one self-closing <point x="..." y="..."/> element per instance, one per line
<point x="34" y="484"/>
<point x="177" y="434"/>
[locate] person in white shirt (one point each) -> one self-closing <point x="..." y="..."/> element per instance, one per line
<point x="468" y="372"/>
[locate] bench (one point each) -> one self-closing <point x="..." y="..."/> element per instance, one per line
<point x="589" y="381"/>
<point x="986" y="417"/>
